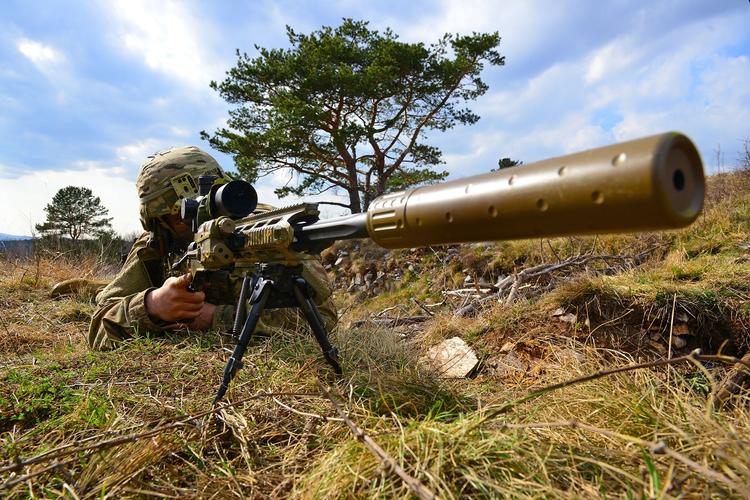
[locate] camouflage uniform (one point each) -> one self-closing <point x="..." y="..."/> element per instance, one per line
<point x="121" y="313"/>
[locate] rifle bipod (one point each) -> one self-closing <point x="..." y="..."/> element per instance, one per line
<point x="276" y="286"/>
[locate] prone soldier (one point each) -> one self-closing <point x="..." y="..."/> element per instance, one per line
<point x="146" y="296"/>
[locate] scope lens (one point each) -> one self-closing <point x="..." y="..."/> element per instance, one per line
<point x="235" y="199"/>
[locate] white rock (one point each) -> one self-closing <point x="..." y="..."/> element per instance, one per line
<point x="452" y="358"/>
<point x="678" y="342"/>
<point x="568" y="318"/>
<point x="340" y="260"/>
<point x="507" y="347"/>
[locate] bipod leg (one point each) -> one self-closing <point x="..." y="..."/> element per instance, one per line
<point x="241" y="310"/>
<point x="312" y="315"/>
<point x="258" y="299"/>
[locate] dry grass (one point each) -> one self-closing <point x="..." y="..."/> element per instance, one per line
<point x="121" y="423"/>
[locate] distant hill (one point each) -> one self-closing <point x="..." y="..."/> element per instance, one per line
<point x="13" y="237"/>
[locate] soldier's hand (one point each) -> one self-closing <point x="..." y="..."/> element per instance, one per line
<point x="204" y="320"/>
<point x="173" y="302"/>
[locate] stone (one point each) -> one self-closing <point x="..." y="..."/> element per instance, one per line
<point x="568" y="318"/>
<point x="411" y="268"/>
<point x="507" y="347"/>
<point x="680" y="329"/>
<point x="468" y="280"/>
<point x="358" y="279"/>
<point x="452" y="358"/>
<point x="341" y="260"/>
<point x="678" y="342"/>
<point x="510" y="363"/>
<point x="558" y="312"/>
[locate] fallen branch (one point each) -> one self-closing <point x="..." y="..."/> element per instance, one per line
<point x="387" y="461"/>
<point x="694" y="356"/>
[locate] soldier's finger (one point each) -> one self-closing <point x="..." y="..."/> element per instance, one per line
<point x="189" y="314"/>
<point x="191" y="307"/>
<point x="184" y="280"/>
<point x="191" y="297"/>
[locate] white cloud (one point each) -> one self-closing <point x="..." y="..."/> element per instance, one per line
<point x="134" y="154"/>
<point x="25" y="197"/>
<point x="39" y="53"/>
<point x="168" y="38"/>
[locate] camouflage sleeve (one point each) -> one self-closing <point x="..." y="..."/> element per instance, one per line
<point x="121" y="308"/>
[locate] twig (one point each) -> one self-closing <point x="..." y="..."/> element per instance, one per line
<point x="422" y="307"/>
<point x="387" y="461"/>
<point x="305" y="414"/>
<point x="692" y="357"/>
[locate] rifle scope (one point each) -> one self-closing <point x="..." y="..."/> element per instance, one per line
<point x="234" y="199"/>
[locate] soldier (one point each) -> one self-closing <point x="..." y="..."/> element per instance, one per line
<point x="143" y="297"/>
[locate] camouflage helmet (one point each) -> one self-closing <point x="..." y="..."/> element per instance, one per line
<point x="168" y="176"/>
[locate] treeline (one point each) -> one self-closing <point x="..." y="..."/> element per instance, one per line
<point x="109" y="247"/>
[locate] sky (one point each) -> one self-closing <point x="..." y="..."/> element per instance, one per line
<point x="88" y="89"/>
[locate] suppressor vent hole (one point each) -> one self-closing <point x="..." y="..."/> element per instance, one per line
<point x="511" y="180"/>
<point x="418" y="221"/>
<point x="597" y="197"/>
<point x="449" y="217"/>
<point x="678" y="180"/>
<point x="492" y="211"/>
<point x="542" y="205"/>
<point x="562" y="171"/>
<point x="619" y="159"/>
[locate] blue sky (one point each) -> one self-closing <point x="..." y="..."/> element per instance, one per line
<point x="88" y="89"/>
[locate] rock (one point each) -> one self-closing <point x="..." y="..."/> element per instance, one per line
<point x="680" y="329"/>
<point x="369" y="277"/>
<point x="568" y="318"/>
<point x="558" y="312"/>
<point x="340" y="261"/>
<point x="452" y="358"/>
<point x="466" y="310"/>
<point x="678" y="342"/>
<point x="328" y="267"/>
<point x="483" y="283"/>
<point x="411" y="268"/>
<point x="468" y="280"/>
<point x="343" y="253"/>
<point x="657" y="346"/>
<point x="358" y="279"/>
<point x="507" y="347"/>
<point x="510" y="363"/>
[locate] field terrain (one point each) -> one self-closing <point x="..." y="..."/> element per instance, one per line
<point x="588" y="381"/>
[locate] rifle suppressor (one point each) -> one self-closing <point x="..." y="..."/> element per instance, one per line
<point x="647" y="184"/>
